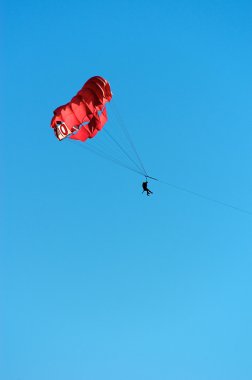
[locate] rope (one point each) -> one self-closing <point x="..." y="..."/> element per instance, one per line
<point x="121" y="148"/>
<point x="106" y="156"/>
<point x="127" y="135"/>
<point x="205" y="197"/>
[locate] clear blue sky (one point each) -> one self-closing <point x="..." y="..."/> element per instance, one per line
<point x="97" y="280"/>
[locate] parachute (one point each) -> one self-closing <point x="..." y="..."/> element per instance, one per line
<point x="85" y="115"/>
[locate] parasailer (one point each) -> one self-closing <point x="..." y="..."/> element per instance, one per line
<point x="145" y="188"/>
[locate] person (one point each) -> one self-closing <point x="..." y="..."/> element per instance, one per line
<point x="145" y="188"/>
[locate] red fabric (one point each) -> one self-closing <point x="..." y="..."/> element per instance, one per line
<point x="83" y="134"/>
<point x="84" y="107"/>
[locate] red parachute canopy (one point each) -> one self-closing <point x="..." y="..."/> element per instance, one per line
<point x="85" y="114"/>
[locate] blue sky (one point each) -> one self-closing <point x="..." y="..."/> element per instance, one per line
<point x="97" y="280"/>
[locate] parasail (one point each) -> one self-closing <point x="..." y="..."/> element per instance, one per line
<point x="85" y="115"/>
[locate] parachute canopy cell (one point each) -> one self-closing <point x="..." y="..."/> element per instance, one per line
<point x="85" y="114"/>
